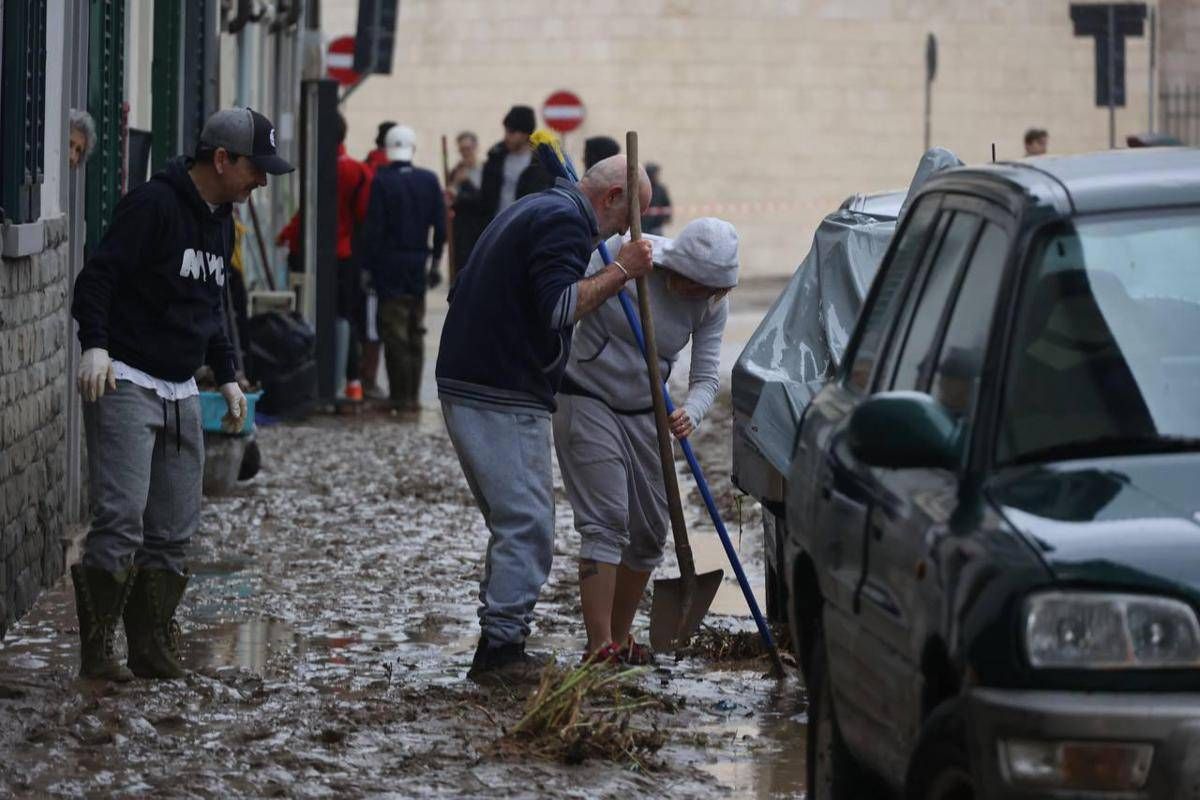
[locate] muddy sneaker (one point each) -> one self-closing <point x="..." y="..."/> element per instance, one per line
<point x="505" y="664"/>
<point x="610" y="654"/>
<point x="636" y="655"/>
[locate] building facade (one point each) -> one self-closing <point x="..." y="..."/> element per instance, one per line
<point x="766" y="112"/>
<point x="148" y="72"/>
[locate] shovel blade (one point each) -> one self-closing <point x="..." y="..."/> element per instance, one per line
<point x="679" y="607"/>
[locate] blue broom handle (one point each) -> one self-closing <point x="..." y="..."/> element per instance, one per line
<point x="698" y="474"/>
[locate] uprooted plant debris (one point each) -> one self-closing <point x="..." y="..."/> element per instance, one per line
<point x="586" y="713"/>
<point x="721" y="644"/>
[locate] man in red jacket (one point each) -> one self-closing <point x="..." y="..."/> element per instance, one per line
<point x="378" y="157"/>
<point x="353" y="192"/>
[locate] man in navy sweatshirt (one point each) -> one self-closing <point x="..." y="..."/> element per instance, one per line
<point x="149" y="305"/>
<point x="504" y="346"/>
<point x="406" y="205"/>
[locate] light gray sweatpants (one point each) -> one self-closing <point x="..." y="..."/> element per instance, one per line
<point x="145" y="474"/>
<point x="613" y="475"/>
<point x="506" y="460"/>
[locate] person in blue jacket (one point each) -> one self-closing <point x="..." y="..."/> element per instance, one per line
<point x="504" y="346"/>
<point x="406" y="205"/>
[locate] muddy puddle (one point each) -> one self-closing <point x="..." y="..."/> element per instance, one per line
<point x="330" y="621"/>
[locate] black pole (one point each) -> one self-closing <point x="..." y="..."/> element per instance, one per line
<point x="930" y="74"/>
<point x="1112" y="72"/>
<point x="318" y="223"/>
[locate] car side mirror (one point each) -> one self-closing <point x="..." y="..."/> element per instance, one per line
<point x="905" y="430"/>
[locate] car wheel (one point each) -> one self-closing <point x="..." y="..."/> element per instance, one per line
<point x="832" y="771"/>
<point x="775" y="591"/>
<point x="941" y="769"/>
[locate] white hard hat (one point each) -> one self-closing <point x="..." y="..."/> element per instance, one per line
<point x="400" y="142"/>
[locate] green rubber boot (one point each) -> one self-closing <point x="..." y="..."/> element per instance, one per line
<point x="150" y="624"/>
<point x="100" y="598"/>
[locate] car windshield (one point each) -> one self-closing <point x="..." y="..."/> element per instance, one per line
<point x="1106" y="346"/>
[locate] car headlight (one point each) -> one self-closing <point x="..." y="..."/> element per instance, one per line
<point x="1091" y="630"/>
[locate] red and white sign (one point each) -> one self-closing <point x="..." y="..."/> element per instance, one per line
<point x="563" y="111"/>
<point x="340" y="61"/>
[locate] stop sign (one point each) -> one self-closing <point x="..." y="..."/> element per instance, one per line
<point x="563" y="111"/>
<point x="340" y="61"/>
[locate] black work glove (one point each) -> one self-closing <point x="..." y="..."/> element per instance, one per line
<point x="435" y="278"/>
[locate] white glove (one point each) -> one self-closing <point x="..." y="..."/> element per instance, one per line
<point x="95" y="373"/>
<point x="235" y="401"/>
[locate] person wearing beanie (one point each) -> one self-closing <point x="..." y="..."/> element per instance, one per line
<point x="378" y="157"/>
<point x="604" y="430"/>
<point x="598" y="148"/>
<point x="511" y="171"/>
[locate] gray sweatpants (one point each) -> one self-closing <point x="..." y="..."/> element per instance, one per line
<point x="506" y="460"/>
<point x="611" y="468"/>
<point x="145" y="472"/>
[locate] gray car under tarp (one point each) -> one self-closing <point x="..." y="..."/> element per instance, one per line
<point x="799" y="344"/>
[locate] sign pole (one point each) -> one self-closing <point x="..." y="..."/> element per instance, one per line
<point x="1112" y="69"/>
<point x="1152" y="12"/>
<point x="930" y="74"/>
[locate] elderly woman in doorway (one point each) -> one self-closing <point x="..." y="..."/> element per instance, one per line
<point x="604" y="430"/>
<point x="83" y="137"/>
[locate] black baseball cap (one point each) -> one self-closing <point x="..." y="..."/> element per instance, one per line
<point x="245" y="132"/>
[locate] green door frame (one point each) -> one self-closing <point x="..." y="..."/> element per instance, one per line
<point x="106" y="99"/>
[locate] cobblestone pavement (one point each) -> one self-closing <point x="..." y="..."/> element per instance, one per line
<point x="330" y="622"/>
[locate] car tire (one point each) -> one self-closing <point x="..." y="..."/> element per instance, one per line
<point x="940" y="767"/>
<point x="833" y="773"/>
<point x="776" y="591"/>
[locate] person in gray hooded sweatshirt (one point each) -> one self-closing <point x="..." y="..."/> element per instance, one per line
<point x="604" y="430"/>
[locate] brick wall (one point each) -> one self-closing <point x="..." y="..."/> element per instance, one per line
<point x="33" y="355"/>
<point x="767" y="112"/>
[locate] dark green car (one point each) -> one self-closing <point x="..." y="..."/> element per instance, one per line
<point x="992" y="544"/>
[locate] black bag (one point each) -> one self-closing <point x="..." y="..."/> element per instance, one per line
<point x="282" y="359"/>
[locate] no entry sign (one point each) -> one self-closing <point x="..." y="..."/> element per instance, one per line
<point x="563" y="111"/>
<point x="341" y="61"/>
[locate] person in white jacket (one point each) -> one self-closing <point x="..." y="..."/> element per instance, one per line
<point x="604" y="430"/>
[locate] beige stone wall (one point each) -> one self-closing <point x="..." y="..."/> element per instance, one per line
<point x="1179" y="40"/>
<point x="767" y="112"/>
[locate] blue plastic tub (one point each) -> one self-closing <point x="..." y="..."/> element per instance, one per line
<point x="212" y="408"/>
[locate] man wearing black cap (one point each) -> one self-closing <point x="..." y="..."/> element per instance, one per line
<point x="511" y="171"/>
<point x="149" y="306"/>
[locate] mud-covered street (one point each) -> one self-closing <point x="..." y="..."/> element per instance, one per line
<point x="330" y="622"/>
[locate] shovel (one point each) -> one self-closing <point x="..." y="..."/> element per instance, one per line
<point x="679" y="603"/>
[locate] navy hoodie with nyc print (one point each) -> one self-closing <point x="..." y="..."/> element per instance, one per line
<point x="151" y="293"/>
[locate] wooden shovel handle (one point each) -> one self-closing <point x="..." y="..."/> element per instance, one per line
<point x="666" y="454"/>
